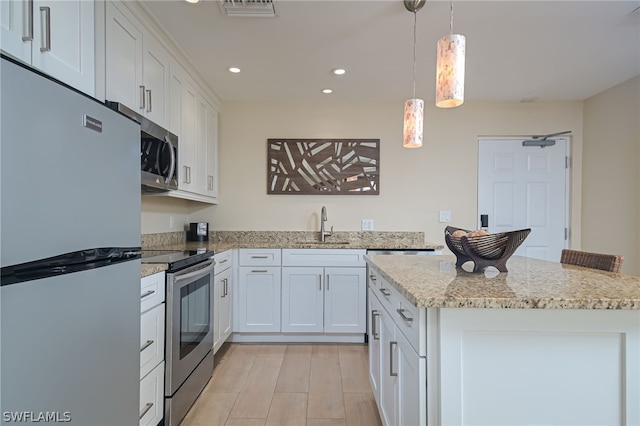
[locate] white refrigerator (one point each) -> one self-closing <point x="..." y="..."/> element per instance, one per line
<point x="69" y="251"/>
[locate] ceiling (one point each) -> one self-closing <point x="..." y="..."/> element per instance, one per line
<point x="551" y="50"/>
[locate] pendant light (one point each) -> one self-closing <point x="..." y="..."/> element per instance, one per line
<point x="450" y="68"/>
<point x="413" y="108"/>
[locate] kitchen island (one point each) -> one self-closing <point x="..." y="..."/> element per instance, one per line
<point x="544" y="343"/>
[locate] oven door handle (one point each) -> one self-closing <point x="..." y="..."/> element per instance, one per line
<point x="205" y="269"/>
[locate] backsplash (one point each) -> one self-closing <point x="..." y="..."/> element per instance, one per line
<point x="364" y="238"/>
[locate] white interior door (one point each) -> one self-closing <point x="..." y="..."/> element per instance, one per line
<point x="525" y="187"/>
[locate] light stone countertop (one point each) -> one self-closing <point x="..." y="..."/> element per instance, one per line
<point x="435" y="282"/>
<point x="218" y="247"/>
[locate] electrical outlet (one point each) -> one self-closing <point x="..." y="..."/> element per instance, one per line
<point x="445" y="216"/>
<point x="367" y="224"/>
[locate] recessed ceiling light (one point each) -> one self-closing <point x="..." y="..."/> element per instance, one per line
<point x="338" y="71"/>
<point x="234" y="70"/>
<point x="327" y="91"/>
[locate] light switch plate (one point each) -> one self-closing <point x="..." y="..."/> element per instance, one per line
<point x="367" y="224"/>
<point x="445" y="216"/>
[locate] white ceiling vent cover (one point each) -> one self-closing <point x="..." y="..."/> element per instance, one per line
<point x="248" y="8"/>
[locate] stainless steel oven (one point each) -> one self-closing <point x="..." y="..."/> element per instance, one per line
<point x="189" y="327"/>
<point x="189" y="337"/>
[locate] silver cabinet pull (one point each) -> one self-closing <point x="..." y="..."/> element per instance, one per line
<point x="184" y="179"/>
<point x="147" y="293"/>
<point x="385" y="292"/>
<point x="27" y="20"/>
<point x="142" y="98"/>
<point x="189" y="169"/>
<point x="45" y="25"/>
<point x="146" y="409"/>
<point x="146" y="345"/>
<point x="148" y="100"/>
<point x="259" y="270"/>
<point x="403" y="316"/>
<point x="320" y="282"/>
<point x="259" y="257"/>
<point x="327" y="285"/>
<point x="223" y="261"/>
<point x="226" y="287"/>
<point x="391" y="345"/>
<point x="374" y="328"/>
<point x="372" y="277"/>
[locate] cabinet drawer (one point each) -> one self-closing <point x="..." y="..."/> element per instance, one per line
<point x="151" y="397"/>
<point x="151" y="291"/>
<point x="223" y="260"/>
<point x="323" y="257"/>
<point x="151" y="339"/>
<point x="260" y="257"/>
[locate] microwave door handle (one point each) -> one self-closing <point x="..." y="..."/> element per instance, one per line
<point x="172" y="168"/>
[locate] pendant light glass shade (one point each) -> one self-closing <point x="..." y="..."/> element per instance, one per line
<point x="413" y="117"/>
<point x="450" y="71"/>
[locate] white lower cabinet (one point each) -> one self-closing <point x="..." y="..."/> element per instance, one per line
<point x="323" y="300"/>
<point x="330" y="298"/>
<point x="396" y="370"/>
<point x="222" y="302"/>
<point x="152" y="332"/>
<point x="259" y="298"/>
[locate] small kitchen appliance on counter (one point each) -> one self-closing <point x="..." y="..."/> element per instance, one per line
<point x="198" y="231"/>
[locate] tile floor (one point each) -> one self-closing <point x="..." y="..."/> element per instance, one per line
<point x="287" y="384"/>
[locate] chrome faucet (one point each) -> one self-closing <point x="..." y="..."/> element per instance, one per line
<point x="323" y="219"/>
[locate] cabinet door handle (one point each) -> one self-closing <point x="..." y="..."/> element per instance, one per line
<point x="226" y="287"/>
<point x="385" y="292"/>
<point x="148" y="100"/>
<point x="327" y="285"/>
<point x="223" y="261"/>
<point x="147" y="293"/>
<point x="146" y="408"/>
<point x="146" y="345"/>
<point x="374" y="328"/>
<point x="391" y="345"/>
<point x="372" y="277"/>
<point x="259" y="270"/>
<point x="27" y="21"/>
<point x="320" y="282"/>
<point x="45" y="25"/>
<point x="184" y="179"/>
<point x="259" y="257"/>
<point x="403" y="316"/>
<point x="142" y="98"/>
<point x="189" y="173"/>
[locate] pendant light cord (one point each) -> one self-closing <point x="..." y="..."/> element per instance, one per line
<point x="415" y="22"/>
<point x="451" y="19"/>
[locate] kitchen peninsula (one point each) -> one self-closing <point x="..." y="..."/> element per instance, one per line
<point x="544" y="343"/>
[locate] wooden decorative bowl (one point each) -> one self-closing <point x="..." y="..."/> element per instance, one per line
<point x="486" y="250"/>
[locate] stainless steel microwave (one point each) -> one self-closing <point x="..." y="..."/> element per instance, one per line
<point x="158" y="152"/>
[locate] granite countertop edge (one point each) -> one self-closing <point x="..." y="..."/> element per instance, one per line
<point x="526" y="293"/>
<point x="219" y="247"/>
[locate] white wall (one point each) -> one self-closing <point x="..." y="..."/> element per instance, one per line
<point x="611" y="180"/>
<point x="414" y="184"/>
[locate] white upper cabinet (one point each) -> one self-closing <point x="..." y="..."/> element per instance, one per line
<point x="56" y="37"/>
<point x="194" y="119"/>
<point x="137" y="73"/>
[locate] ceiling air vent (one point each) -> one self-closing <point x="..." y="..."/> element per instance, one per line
<point x="248" y="8"/>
